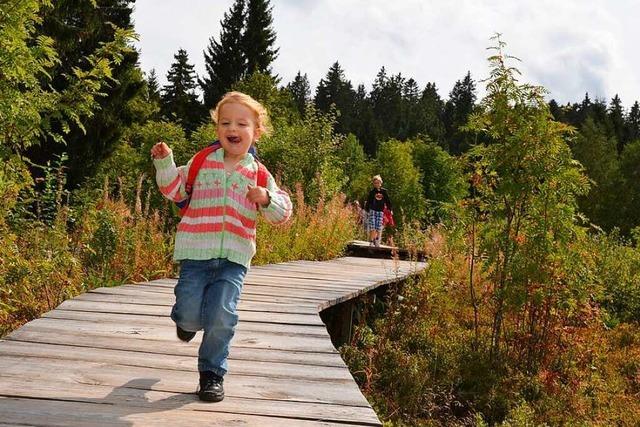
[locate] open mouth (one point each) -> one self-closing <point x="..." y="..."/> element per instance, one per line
<point x="233" y="139"/>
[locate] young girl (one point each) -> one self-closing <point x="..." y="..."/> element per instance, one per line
<point x="374" y="205"/>
<point x="215" y="240"/>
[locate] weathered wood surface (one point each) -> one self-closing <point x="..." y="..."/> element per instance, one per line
<point x="110" y="357"/>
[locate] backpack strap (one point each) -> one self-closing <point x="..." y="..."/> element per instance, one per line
<point x="263" y="175"/>
<point x="194" y="168"/>
<point x="198" y="160"/>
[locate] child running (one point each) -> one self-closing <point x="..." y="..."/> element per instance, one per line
<point x="374" y="205"/>
<point x="216" y="237"/>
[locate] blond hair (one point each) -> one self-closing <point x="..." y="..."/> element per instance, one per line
<point x="263" y="123"/>
<point x="377" y="177"/>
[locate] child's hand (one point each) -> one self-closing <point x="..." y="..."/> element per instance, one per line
<point x="160" y="151"/>
<point x="258" y="195"/>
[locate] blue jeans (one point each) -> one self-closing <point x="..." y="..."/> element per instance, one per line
<point x="207" y="295"/>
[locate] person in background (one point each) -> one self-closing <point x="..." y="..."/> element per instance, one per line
<point x="361" y="216"/>
<point x="374" y="205"/>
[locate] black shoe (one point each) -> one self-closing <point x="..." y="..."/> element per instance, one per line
<point x="211" y="389"/>
<point x="185" y="336"/>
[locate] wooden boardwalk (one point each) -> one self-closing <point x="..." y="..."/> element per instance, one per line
<point x="110" y="356"/>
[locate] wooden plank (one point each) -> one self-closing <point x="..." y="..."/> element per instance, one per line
<point x="299" y="308"/>
<point x="343" y="392"/>
<point x="171" y="362"/>
<point x="273" y="296"/>
<point x="310" y="287"/>
<point x="135" y="393"/>
<point x="151" y="296"/>
<point x="311" y="296"/>
<point x="16" y="411"/>
<point x="152" y="310"/>
<point x="247" y="339"/>
<point x="126" y="320"/>
<point x="130" y="344"/>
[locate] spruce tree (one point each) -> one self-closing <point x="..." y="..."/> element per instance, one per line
<point x="460" y="105"/>
<point x="153" y="87"/>
<point x="259" y="38"/>
<point x="632" y="123"/>
<point x="597" y="152"/>
<point x="616" y="119"/>
<point x="152" y="94"/>
<point x="225" y="61"/>
<point x="179" y="99"/>
<point x="432" y="110"/>
<point x="410" y="118"/>
<point x="336" y="90"/>
<point x="365" y="125"/>
<point x="301" y="92"/>
<point x="386" y="98"/>
<point x="556" y="111"/>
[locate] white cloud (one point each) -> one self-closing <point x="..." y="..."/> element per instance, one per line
<point x="571" y="47"/>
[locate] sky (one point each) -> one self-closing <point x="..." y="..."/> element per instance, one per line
<point x="569" y="46"/>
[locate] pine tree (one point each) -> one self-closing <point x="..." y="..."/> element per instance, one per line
<point x="153" y="87"/>
<point x="632" y="123"/>
<point x="259" y="38"/>
<point x="336" y="90"/>
<point x="386" y="99"/>
<point x="556" y="111"/>
<point x="225" y="61"/>
<point x="460" y="105"/>
<point x="79" y="28"/>
<point x="365" y="125"/>
<point x="410" y="118"/>
<point x="597" y="152"/>
<point x="432" y="110"/>
<point x="616" y="119"/>
<point x="179" y="99"/>
<point x="301" y="92"/>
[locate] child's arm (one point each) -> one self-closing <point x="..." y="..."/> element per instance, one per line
<point x="171" y="180"/>
<point x="278" y="207"/>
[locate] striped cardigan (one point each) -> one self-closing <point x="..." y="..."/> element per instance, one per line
<point x="220" y="222"/>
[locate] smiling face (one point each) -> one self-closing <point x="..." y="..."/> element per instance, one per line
<point x="237" y="129"/>
<point x="377" y="183"/>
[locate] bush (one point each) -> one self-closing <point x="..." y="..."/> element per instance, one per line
<point x="313" y="233"/>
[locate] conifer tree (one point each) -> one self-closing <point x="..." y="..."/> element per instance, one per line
<point x="225" y="61"/>
<point x="301" y="91"/>
<point x="632" y="123"/>
<point x="460" y="105"/>
<point x="386" y="99"/>
<point x="365" y="125"/>
<point x="336" y="90"/>
<point x="179" y="99"/>
<point x="557" y="111"/>
<point x="152" y="95"/>
<point x="616" y="119"/>
<point x="153" y="87"/>
<point x="597" y="152"/>
<point x="410" y="120"/>
<point x="259" y="37"/>
<point x="79" y="28"/>
<point x="432" y="110"/>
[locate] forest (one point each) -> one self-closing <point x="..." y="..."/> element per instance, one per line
<point x="528" y="312"/>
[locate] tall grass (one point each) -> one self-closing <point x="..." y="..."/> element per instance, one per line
<point x="112" y="243"/>
<point x="312" y="233"/>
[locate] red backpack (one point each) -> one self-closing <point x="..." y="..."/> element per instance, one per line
<point x="196" y="164"/>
